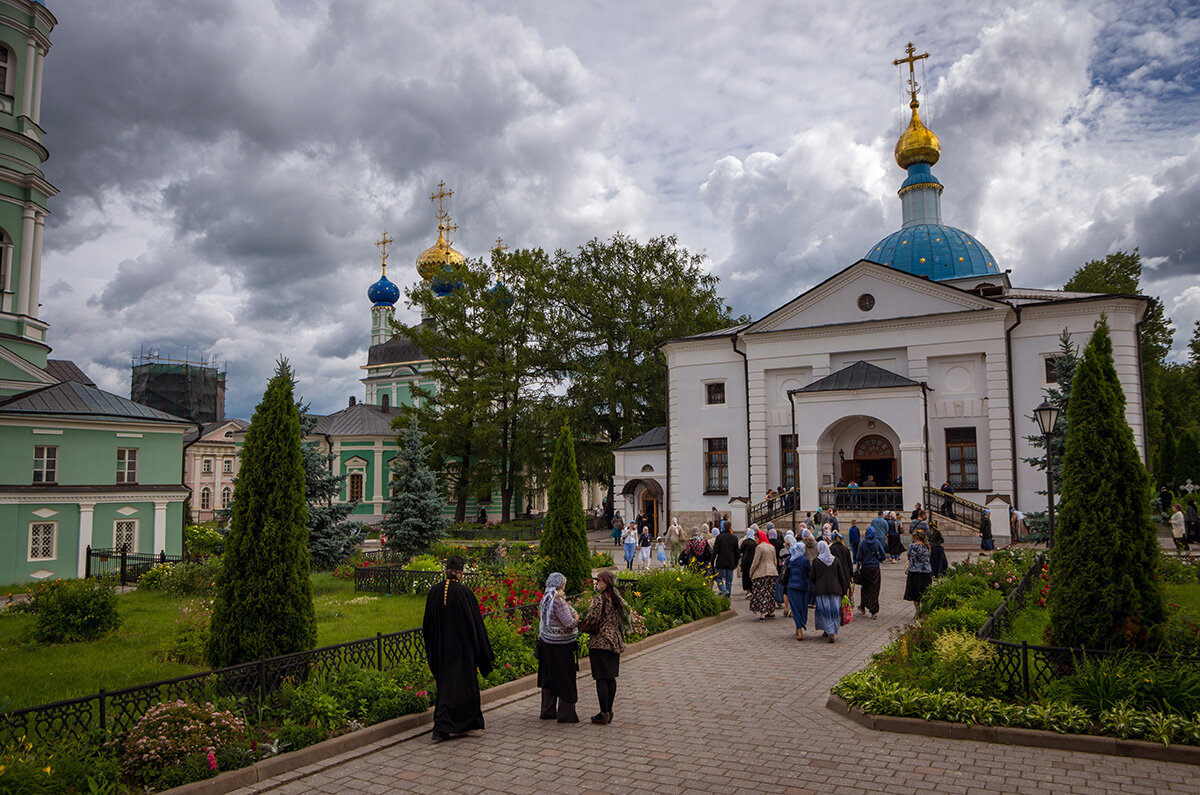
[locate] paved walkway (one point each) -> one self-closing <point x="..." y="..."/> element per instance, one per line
<point x="736" y="708"/>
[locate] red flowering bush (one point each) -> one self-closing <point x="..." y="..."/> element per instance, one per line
<point x="178" y="733"/>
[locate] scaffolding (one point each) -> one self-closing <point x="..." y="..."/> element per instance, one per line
<point x="186" y="388"/>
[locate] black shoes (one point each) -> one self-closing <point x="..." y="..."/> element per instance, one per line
<point x="438" y="737"/>
<point x="602" y="718"/>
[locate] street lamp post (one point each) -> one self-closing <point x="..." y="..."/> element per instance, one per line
<point x="1047" y="417"/>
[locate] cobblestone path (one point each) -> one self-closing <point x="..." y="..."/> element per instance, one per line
<point x="736" y="708"/>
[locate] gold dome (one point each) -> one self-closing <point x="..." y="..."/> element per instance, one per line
<point x="917" y="144"/>
<point x="437" y="257"/>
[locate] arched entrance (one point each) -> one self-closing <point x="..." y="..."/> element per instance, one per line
<point x="873" y="463"/>
<point x="646" y="496"/>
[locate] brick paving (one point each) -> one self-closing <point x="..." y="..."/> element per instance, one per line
<point x="736" y="708"/>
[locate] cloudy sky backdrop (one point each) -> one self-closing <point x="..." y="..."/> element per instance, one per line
<point x="226" y="166"/>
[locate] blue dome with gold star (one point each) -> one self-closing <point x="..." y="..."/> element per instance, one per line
<point x="383" y="292"/>
<point x="936" y="251"/>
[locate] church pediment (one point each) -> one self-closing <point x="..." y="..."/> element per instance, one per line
<point x="867" y="291"/>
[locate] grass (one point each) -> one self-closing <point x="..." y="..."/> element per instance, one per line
<point x="132" y="655"/>
<point x="1187" y="596"/>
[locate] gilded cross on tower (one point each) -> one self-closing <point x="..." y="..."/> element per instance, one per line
<point x="911" y="60"/>
<point x="440" y="197"/>
<point x="499" y="248"/>
<point x="383" y="244"/>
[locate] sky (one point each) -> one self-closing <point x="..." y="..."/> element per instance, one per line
<point x="225" y="167"/>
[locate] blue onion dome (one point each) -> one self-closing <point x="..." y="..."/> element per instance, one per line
<point x="502" y="295"/>
<point x="933" y="250"/>
<point x="383" y="292"/>
<point x="444" y="282"/>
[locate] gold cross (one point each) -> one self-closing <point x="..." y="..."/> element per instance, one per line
<point x="913" y="88"/>
<point x="499" y="248"/>
<point x="500" y="245"/>
<point x="440" y="196"/>
<point x="383" y="244"/>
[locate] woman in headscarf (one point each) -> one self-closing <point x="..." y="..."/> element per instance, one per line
<point x="606" y="643"/>
<point x="920" y="571"/>
<point x="810" y="544"/>
<point x="746" y="549"/>
<point x="830" y="583"/>
<point x="775" y="538"/>
<point x="697" y="548"/>
<point x="937" y="551"/>
<point x="870" y="554"/>
<point x="629" y="540"/>
<point x="799" y="587"/>
<point x="785" y="553"/>
<point x="557" y="633"/>
<point x="763" y="574"/>
<point x="894" y="547"/>
<point x="675" y="539"/>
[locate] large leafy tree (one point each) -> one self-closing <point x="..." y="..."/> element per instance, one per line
<point x="1105" y="590"/>
<point x="263" y="606"/>
<point x="564" y="534"/>
<point x="414" y="514"/>
<point x="330" y="540"/>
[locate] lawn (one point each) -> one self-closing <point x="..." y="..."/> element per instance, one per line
<point x="133" y="653"/>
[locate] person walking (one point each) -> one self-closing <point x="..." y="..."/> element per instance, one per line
<point x="870" y="555"/>
<point x="456" y="646"/>
<point x="746" y="551"/>
<point x="895" y="547"/>
<point x="618" y="527"/>
<point x="644" y="542"/>
<point x="798" y="587"/>
<point x="937" y="553"/>
<point x="920" y="571"/>
<point x="609" y="613"/>
<point x="660" y="552"/>
<point x="1191" y="521"/>
<point x="855" y="538"/>
<point x="1179" y="529"/>
<point x="809" y="543"/>
<point x="763" y="574"/>
<point x="675" y="541"/>
<point x="1017" y="524"/>
<point x="558" y="630"/>
<point x="629" y="541"/>
<point x="841" y="553"/>
<point x="986" y="542"/>
<point x="830" y="583"/>
<point x="948" y="499"/>
<point x="725" y="560"/>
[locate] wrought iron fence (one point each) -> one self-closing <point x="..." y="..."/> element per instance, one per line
<point x="863" y="498"/>
<point x="1013" y="603"/>
<point x="127" y="566"/>
<point x="954" y="507"/>
<point x="494" y="533"/>
<point x="397" y="579"/>
<point x="773" y="508"/>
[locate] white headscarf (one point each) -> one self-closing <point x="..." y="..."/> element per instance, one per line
<point x="704" y="529"/>
<point x="825" y="530"/>
<point x="823" y="553"/>
<point x="751" y="533"/>
<point x="554" y="583"/>
<point x="789" y="539"/>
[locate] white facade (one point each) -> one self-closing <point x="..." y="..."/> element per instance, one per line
<point x="970" y="357"/>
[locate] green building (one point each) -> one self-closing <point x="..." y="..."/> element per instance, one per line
<point x="79" y="466"/>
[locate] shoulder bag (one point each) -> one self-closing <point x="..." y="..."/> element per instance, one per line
<point x="589" y="625"/>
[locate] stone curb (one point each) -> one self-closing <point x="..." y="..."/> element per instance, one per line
<point x="1034" y="738"/>
<point x="392" y="732"/>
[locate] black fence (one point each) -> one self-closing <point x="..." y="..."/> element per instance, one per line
<point x="773" y="508"/>
<point x="1016" y="598"/>
<point x="399" y="580"/>
<point x="863" y="498"/>
<point x="128" y="567"/>
<point x="494" y="533"/>
<point x="953" y="507"/>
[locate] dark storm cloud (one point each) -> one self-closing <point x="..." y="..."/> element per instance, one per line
<point x="1169" y="225"/>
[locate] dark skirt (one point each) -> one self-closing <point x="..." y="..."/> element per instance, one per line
<point x="747" y="583"/>
<point x="557" y="668"/>
<point x="937" y="559"/>
<point x="868" y="594"/>
<point x="762" y="598"/>
<point x="915" y="587"/>
<point x="894" y="545"/>
<point x="605" y="664"/>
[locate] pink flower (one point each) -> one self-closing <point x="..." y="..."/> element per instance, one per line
<point x="212" y="760"/>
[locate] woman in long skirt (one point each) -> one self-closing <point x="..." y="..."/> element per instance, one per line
<point x="799" y="587"/>
<point x="920" y="572"/>
<point x="746" y="548"/>
<point x="830" y="583"/>
<point x="870" y="555"/>
<point x="763" y="574"/>
<point x="937" y="553"/>
<point x="558" y="630"/>
<point x="894" y="547"/>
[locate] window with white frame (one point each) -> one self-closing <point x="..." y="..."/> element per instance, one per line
<point x="227" y="466"/>
<point x="8" y="67"/>
<point x="125" y="535"/>
<point x="206" y="499"/>
<point x="356" y="486"/>
<point x="716" y="466"/>
<point x="45" y="464"/>
<point x="127" y="464"/>
<point x="206" y="466"/>
<point x="714" y="393"/>
<point x="226" y="497"/>
<point x="43" y="540"/>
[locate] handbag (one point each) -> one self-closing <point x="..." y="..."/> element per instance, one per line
<point x="857" y="576"/>
<point x="589" y="625"/>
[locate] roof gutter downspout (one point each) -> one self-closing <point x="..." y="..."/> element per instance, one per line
<point x="1137" y="335"/>
<point x="1012" y="409"/>
<point x="667" y="513"/>
<point x="746" y="383"/>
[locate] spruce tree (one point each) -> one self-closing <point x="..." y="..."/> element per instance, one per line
<point x="413" y="519"/>
<point x="564" y="534"/>
<point x="1187" y="461"/>
<point x="1164" y="469"/>
<point x="1105" y="590"/>
<point x="263" y="606"/>
<point x="329" y="539"/>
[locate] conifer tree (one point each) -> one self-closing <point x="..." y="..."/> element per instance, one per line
<point x="413" y="519"/>
<point x="1164" y="469"/>
<point x="263" y="606"/>
<point x="1105" y="590"/>
<point x="1187" y="461"/>
<point x="1059" y="395"/>
<point x="564" y="535"/>
<point x="329" y="539"/>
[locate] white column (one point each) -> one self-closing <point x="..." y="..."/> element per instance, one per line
<point x="809" y="479"/>
<point x="26" y="260"/>
<point x="912" y="469"/>
<point x="37" y="86"/>
<point x="377" y="499"/>
<point x="86" y="513"/>
<point x="27" y="94"/>
<point x="160" y="527"/>
<point x="6" y="265"/>
<point x="35" y="271"/>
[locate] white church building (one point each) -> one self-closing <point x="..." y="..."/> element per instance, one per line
<point x="919" y="364"/>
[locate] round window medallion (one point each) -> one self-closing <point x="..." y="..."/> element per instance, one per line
<point x="866" y="302"/>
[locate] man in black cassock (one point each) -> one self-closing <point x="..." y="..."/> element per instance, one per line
<point x="456" y="644"/>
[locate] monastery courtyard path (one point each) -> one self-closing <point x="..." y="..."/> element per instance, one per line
<point x="736" y="708"/>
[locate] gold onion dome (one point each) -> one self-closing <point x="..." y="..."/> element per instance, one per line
<point x="438" y="257"/>
<point x="917" y="144"/>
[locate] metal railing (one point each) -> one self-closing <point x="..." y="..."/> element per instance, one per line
<point x="486" y="533"/>
<point x="397" y="579"/>
<point x="863" y="498"/>
<point x="1016" y="598"/>
<point x="774" y="507"/>
<point x="953" y="507"/>
<point x="127" y="566"/>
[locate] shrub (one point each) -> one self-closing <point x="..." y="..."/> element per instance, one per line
<point x="424" y="563"/>
<point x="66" y="611"/>
<point x="191" y="632"/>
<point x="962" y="619"/>
<point x="514" y="658"/>
<point x="950" y="592"/>
<point x="172" y="733"/>
<point x="966" y="664"/>
<point x="986" y="601"/>
<point x="293" y="736"/>
<point x="202" y="540"/>
<point x="311" y="704"/>
<point x="564" y="535"/>
<point x="1180" y="633"/>
<point x="602" y="560"/>
<point x="155" y="577"/>
<point x="678" y="594"/>
<point x="1174" y="571"/>
<point x="184" y="579"/>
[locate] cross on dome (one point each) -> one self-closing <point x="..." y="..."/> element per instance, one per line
<point x="911" y="60"/>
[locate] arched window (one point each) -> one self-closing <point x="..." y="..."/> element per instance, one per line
<point x="873" y="446"/>
<point x="226" y="497"/>
<point x="205" y="499"/>
<point x="386" y="402"/>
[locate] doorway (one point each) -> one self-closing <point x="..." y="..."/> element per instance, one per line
<point x="874" y="461"/>
<point x="650" y="510"/>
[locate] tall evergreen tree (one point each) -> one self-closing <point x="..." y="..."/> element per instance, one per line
<point x="1105" y="590"/>
<point x="414" y="514"/>
<point x="263" y="606"/>
<point x="564" y="535"/>
<point x="329" y="538"/>
<point x="1164" y="464"/>
<point x="1187" y="460"/>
